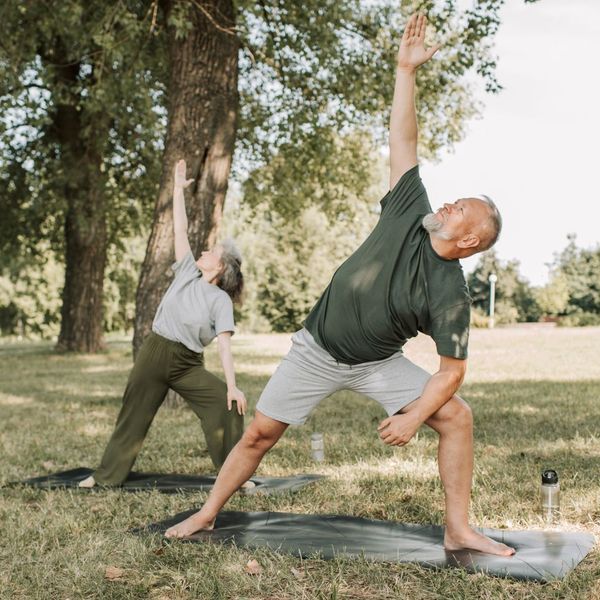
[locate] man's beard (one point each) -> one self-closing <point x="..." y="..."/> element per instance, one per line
<point x="433" y="226"/>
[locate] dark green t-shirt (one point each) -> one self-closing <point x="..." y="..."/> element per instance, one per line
<point x="392" y="287"/>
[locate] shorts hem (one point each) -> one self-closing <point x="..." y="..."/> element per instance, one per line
<point x="279" y="418"/>
<point x="403" y="405"/>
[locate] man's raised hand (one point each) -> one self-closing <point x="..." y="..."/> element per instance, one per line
<point x="412" y="52"/>
<point x="180" y="180"/>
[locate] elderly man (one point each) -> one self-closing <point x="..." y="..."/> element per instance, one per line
<point x="403" y="279"/>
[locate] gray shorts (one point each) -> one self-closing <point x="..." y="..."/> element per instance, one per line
<point x="308" y="374"/>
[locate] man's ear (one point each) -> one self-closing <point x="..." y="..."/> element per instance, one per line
<point x="469" y="241"/>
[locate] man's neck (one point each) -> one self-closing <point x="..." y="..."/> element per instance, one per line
<point x="445" y="249"/>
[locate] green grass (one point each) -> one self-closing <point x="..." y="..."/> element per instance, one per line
<point x="536" y="398"/>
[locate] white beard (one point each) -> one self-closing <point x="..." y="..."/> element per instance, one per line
<point x="433" y="226"/>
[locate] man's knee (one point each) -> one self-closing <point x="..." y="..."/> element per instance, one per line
<point x="262" y="435"/>
<point x="456" y="413"/>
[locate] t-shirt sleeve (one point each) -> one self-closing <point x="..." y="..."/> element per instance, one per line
<point x="186" y="268"/>
<point x="224" y="315"/>
<point x="450" y="331"/>
<point x="408" y="194"/>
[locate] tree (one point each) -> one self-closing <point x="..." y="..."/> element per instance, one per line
<point x="291" y="252"/>
<point x="579" y="268"/>
<point x="78" y="90"/>
<point x="307" y="71"/>
<point x="553" y="298"/>
<point x="203" y="99"/>
<point x="515" y="299"/>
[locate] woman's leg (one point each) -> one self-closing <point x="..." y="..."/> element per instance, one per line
<point x="145" y="392"/>
<point x="207" y="395"/>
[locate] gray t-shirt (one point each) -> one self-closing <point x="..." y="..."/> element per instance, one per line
<point x="192" y="310"/>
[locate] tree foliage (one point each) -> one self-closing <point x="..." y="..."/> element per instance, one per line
<point x="514" y="295"/>
<point x="84" y="93"/>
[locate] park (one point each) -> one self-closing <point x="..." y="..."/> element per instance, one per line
<point x="243" y="352"/>
<point x="533" y="408"/>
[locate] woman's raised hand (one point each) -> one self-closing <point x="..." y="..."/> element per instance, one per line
<point x="179" y="179"/>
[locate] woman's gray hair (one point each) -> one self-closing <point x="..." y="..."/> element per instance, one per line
<point x="231" y="279"/>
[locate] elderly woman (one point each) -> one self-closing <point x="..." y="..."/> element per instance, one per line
<point x="197" y="307"/>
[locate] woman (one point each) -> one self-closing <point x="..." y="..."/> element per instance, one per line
<point x="197" y="307"/>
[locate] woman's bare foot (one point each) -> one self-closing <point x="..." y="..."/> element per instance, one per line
<point x="88" y="482"/>
<point x="247" y="485"/>
<point x="190" y="526"/>
<point x="469" y="539"/>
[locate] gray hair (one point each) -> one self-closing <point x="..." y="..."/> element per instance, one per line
<point x="231" y="279"/>
<point x="491" y="227"/>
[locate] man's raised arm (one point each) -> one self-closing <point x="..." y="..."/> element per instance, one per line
<point x="403" y="118"/>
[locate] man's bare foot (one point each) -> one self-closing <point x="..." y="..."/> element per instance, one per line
<point x="88" y="482"/>
<point x="469" y="539"/>
<point x="190" y="526"/>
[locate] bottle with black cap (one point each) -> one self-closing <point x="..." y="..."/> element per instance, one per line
<point x="550" y="494"/>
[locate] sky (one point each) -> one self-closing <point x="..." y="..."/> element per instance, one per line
<point x="535" y="150"/>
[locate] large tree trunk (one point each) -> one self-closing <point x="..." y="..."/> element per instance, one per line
<point x="85" y="260"/>
<point x="85" y="220"/>
<point x="203" y="103"/>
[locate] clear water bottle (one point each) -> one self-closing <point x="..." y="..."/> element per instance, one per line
<point x="317" y="447"/>
<point x="550" y="495"/>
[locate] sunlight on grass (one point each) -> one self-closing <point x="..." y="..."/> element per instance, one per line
<point x="13" y="400"/>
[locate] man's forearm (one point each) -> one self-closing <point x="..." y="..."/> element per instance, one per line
<point x="439" y="389"/>
<point x="403" y="117"/>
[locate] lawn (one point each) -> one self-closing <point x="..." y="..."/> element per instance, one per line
<point x="535" y="392"/>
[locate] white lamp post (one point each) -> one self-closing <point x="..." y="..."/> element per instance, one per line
<point x="492" y="279"/>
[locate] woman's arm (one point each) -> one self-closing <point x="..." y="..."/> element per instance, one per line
<point x="224" y="344"/>
<point x="180" y="223"/>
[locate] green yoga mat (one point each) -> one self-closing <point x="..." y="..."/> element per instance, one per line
<point x="167" y="483"/>
<point x="540" y="555"/>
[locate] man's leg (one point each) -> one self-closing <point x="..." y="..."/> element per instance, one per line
<point x="391" y="383"/>
<point x="305" y="376"/>
<point x="454" y="424"/>
<point x="262" y="434"/>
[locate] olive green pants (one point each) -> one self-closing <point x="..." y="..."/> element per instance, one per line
<point x="162" y="364"/>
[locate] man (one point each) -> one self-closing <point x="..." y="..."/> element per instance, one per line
<point x="403" y="279"/>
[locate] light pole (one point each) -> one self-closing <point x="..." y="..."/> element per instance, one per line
<point x="492" y="279"/>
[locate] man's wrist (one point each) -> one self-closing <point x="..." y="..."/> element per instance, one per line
<point x="405" y="69"/>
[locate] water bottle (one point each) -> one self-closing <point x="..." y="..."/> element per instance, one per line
<point x="317" y="447"/>
<point x="550" y="494"/>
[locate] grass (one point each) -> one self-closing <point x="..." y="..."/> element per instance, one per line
<point x="535" y="395"/>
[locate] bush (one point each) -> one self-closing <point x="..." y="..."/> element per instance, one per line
<point x="579" y="318"/>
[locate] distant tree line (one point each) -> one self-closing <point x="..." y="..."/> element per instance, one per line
<point x="288" y="262"/>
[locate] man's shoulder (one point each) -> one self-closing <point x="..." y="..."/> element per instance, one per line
<point x="408" y="195"/>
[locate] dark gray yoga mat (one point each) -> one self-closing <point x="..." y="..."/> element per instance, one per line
<point x="541" y="555"/>
<point x="168" y="483"/>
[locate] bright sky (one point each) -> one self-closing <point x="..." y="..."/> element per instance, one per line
<point x="535" y="151"/>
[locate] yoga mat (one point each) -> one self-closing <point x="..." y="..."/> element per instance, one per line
<point x="168" y="483"/>
<point x="541" y="555"/>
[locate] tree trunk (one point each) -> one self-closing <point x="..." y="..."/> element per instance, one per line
<point x="85" y="260"/>
<point x="203" y="104"/>
<point x="85" y="220"/>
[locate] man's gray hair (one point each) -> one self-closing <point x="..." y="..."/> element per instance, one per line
<point x="491" y="227"/>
